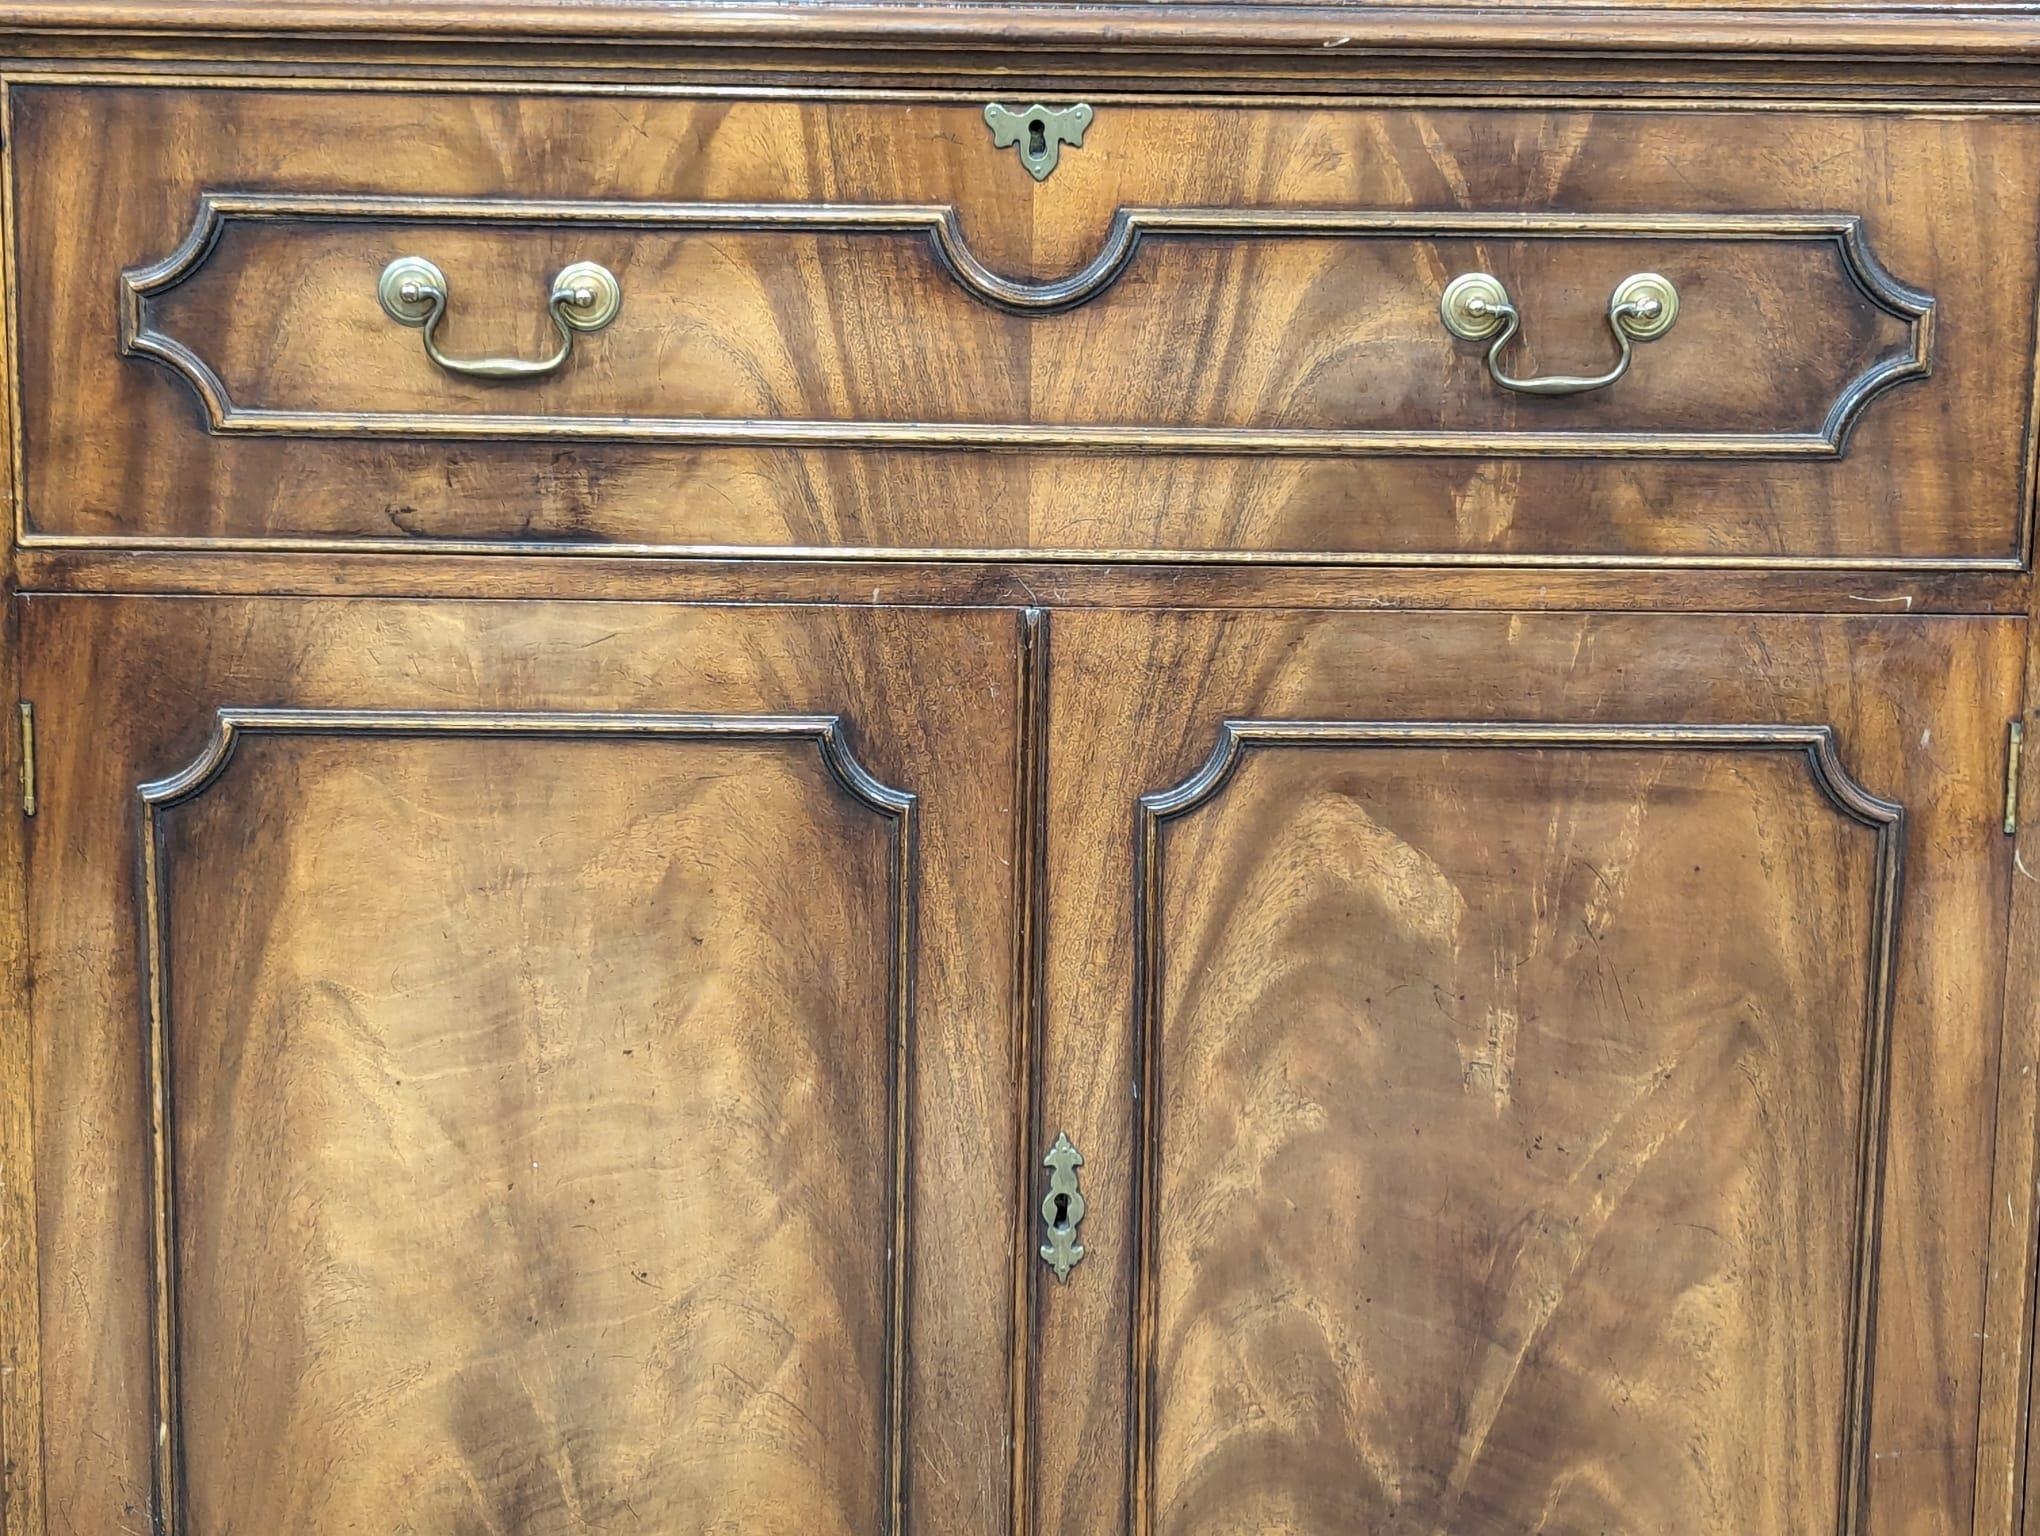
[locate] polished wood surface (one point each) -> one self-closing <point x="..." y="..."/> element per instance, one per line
<point x="720" y="322"/>
<point x="681" y="1297"/>
<point x="1718" y="447"/>
<point x="560" y="920"/>
<point x="1393" y="983"/>
<point x="1019" y="584"/>
<point x="547" y="1106"/>
<point x="1555" y="1061"/>
<point x="1285" y="29"/>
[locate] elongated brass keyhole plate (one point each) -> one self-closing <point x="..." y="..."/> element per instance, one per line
<point x="1063" y="1208"/>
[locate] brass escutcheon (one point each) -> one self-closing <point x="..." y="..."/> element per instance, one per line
<point x="1063" y="1209"/>
<point x="1039" y="133"/>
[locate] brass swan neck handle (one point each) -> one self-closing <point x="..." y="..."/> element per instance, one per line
<point x="1476" y="306"/>
<point x="585" y="297"/>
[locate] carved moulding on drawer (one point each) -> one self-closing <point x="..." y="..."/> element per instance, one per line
<point x="1864" y="278"/>
<point x="1814" y="743"/>
<point x="825" y="732"/>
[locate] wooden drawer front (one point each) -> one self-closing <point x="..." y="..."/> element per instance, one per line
<point x="820" y="298"/>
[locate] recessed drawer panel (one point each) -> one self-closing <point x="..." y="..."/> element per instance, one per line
<point x="1354" y="333"/>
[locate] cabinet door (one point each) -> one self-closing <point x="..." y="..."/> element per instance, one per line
<point x="523" y="1068"/>
<point x="1534" y="1072"/>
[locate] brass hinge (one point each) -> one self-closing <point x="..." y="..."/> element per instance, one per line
<point x="27" y="758"/>
<point x="2015" y="744"/>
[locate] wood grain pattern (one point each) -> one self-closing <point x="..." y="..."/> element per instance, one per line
<point x="1512" y="1130"/>
<point x="1067" y="584"/>
<point x="688" y="1307"/>
<point x="1290" y="333"/>
<point x="715" y="343"/>
<point x="1271" y="1370"/>
<point x="2004" y="1430"/>
<point x="1479" y="1089"/>
<point x="404" y="965"/>
<point x="21" y="1464"/>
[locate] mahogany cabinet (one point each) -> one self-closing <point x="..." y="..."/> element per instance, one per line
<point x="1169" y="769"/>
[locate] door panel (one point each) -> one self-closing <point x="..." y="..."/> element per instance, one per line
<point x="597" y="1133"/>
<point x="546" y="1130"/>
<point x="1488" y="1070"/>
<point x="1511" y="1007"/>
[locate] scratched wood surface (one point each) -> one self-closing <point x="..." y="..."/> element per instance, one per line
<point x="1505" y="1123"/>
<point x="1316" y="335"/>
<point x="1020" y="584"/>
<point x="533" y="1099"/>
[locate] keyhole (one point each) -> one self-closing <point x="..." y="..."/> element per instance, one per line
<point x="1037" y="138"/>
<point x="1062" y="1213"/>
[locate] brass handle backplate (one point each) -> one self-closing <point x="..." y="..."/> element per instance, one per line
<point x="1063" y="1208"/>
<point x="1475" y="306"/>
<point x="585" y="297"/>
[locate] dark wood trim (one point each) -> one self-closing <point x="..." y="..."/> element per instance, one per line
<point x="2005" y="1439"/>
<point x="21" y="1459"/>
<point x="1030" y="905"/>
<point x="597" y="576"/>
<point x="1967" y="31"/>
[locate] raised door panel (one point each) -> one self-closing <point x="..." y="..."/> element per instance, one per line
<point x="490" y="1117"/>
<point x="1539" y="1084"/>
<point x="1552" y="1049"/>
<point x="554" y="1104"/>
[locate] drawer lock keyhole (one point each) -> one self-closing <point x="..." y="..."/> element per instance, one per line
<point x="1063" y="1209"/>
<point x="1039" y="133"/>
